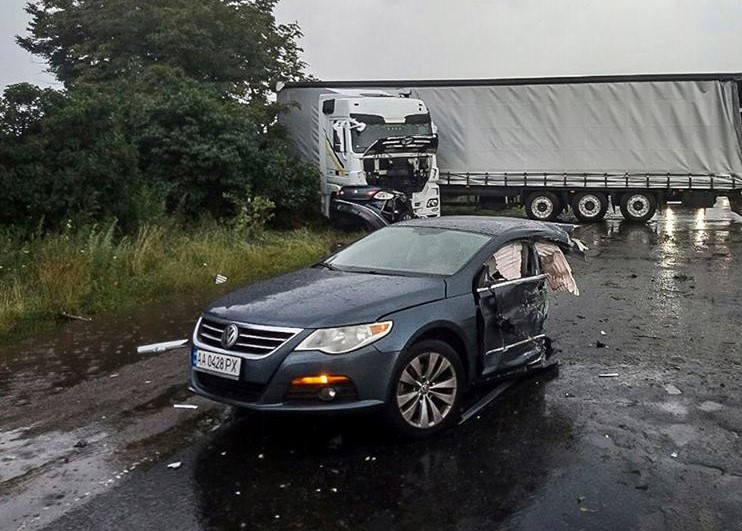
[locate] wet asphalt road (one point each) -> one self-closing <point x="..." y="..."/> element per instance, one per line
<point x="557" y="451"/>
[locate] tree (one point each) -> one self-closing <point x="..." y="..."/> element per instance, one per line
<point x="165" y="102"/>
<point x="235" y="44"/>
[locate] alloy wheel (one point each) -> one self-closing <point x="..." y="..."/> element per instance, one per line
<point x="427" y="389"/>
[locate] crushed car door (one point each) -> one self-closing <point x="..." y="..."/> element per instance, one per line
<point x="512" y="302"/>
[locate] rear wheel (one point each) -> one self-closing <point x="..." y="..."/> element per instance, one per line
<point x="543" y="206"/>
<point x="589" y="207"/>
<point x="425" y="393"/>
<point x="638" y="206"/>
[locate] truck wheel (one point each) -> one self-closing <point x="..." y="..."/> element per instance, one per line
<point x="543" y="206"/>
<point x="589" y="206"/>
<point x="638" y="206"/>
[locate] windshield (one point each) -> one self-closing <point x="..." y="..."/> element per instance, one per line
<point x="421" y="250"/>
<point x="377" y="128"/>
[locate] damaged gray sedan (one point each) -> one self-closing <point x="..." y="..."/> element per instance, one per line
<point x="405" y="320"/>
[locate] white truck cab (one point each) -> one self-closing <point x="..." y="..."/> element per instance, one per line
<point x="376" y="139"/>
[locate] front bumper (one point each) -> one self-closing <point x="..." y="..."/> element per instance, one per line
<point x="368" y="368"/>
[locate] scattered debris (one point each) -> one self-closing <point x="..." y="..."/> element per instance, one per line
<point x="710" y="406"/>
<point x="600" y="344"/>
<point x="185" y="406"/>
<point x="672" y="390"/>
<point x="674" y="454"/>
<point x="82" y="443"/>
<point x="642" y="487"/>
<point x="602" y="333"/>
<point x="114" y="375"/>
<point x="155" y="348"/>
<point x="75" y="317"/>
<point x="175" y="465"/>
<point x="608" y="375"/>
<point x="220" y="279"/>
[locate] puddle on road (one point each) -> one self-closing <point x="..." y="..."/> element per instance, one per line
<point x="21" y="454"/>
<point x="57" y="359"/>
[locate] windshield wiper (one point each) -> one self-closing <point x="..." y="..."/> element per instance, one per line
<point x="328" y="266"/>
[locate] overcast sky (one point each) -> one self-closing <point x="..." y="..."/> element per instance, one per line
<point x="387" y="39"/>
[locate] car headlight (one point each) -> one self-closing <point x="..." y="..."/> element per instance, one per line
<point x="346" y="338"/>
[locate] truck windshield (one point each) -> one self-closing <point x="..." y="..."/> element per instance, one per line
<point x="377" y="128"/>
<point x="409" y="250"/>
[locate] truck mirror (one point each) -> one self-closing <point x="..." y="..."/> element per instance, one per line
<point x="328" y="106"/>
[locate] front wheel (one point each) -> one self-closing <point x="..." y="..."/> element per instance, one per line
<point x="425" y="392"/>
<point x="638" y="206"/>
<point x="543" y="206"/>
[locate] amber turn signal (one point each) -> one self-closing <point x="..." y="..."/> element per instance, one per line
<point x="320" y="379"/>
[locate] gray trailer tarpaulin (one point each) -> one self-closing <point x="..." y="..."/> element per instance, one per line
<point x="661" y="124"/>
<point x="664" y="127"/>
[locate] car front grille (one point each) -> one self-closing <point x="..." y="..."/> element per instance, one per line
<point x="253" y="340"/>
<point x="231" y="389"/>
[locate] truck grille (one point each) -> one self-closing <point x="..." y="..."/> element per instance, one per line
<point x="254" y="340"/>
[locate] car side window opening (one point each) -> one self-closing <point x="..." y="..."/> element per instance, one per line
<point x="518" y="260"/>
<point x="512" y="261"/>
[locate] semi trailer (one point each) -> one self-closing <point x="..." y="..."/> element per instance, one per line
<point x="582" y="143"/>
<point x="375" y="152"/>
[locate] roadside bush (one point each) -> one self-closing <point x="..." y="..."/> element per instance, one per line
<point x="68" y="157"/>
<point x="165" y="109"/>
<point x="85" y="270"/>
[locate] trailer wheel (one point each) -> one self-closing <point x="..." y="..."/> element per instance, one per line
<point x="638" y="206"/>
<point x="589" y="206"/>
<point x="543" y="206"/>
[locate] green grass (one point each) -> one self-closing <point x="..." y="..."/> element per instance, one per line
<point x="92" y="270"/>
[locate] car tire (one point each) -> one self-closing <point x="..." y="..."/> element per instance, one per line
<point x="638" y="206"/>
<point x="425" y="390"/>
<point x="543" y="206"/>
<point x="589" y="207"/>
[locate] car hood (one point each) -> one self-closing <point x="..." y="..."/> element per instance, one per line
<point x="318" y="297"/>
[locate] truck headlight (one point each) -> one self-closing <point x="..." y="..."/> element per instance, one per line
<point x="346" y="338"/>
<point x="432" y="203"/>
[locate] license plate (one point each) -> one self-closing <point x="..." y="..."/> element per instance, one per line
<point x="227" y="366"/>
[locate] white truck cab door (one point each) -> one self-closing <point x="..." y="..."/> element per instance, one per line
<point x="334" y="147"/>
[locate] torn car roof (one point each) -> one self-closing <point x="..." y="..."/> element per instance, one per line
<point x="505" y="229"/>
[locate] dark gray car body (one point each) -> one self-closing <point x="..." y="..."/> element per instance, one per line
<point x="448" y="308"/>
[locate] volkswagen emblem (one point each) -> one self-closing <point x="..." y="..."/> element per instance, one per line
<point x="230" y="335"/>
